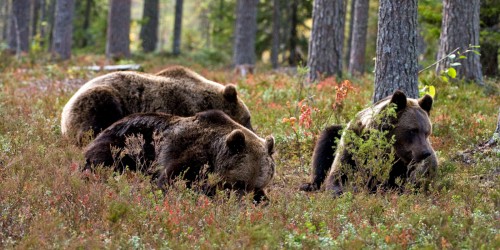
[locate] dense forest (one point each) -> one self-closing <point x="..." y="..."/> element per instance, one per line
<point x="300" y="66"/>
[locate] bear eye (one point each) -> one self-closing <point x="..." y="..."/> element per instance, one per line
<point x="413" y="132"/>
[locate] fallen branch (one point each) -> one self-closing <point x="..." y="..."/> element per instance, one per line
<point x="123" y="67"/>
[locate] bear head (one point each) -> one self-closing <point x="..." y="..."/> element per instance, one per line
<point x="411" y="131"/>
<point x="234" y="106"/>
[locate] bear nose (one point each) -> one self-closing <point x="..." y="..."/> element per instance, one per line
<point x="425" y="154"/>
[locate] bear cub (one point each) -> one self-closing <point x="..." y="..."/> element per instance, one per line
<point x="176" y="90"/>
<point x="414" y="162"/>
<point x="168" y="147"/>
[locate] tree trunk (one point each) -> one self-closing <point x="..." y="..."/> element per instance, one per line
<point x="176" y="50"/>
<point x="63" y="29"/>
<point x="489" y="58"/>
<point x="358" y="45"/>
<point x="149" y="29"/>
<point x="327" y="36"/>
<point x="19" y="26"/>
<point x="292" y="59"/>
<point x="275" y="47"/>
<point x="42" y="24"/>
<point x="51" y="19"/>
<point x="118" y="40"/>
<point x="396" y="65"/>
<point x="459" y="29"/>
<point x="351" y="26"/>
<point x="5" y="19"/>
<point x="86" y="23"/>
<point x="245" y="32"/>
<point x="35" y="18"/>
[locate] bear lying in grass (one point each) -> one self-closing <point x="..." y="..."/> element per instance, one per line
<point x="170" y="147"/>
<point x="412" y="159"/>
<point x="176" y="90"/>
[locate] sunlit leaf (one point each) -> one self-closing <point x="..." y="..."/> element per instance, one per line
<point x="475" y="46"/>
<point x="431" y="91"/>
<point x="476" y="52"/>
<point x="455" y="64"/>
<point x="445" y="78"/>
<point x="452" y="72"/>
<point x="462" y="57"/>
<point x="452" y="56"/>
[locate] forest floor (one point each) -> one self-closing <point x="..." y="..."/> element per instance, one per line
<point x="46" y="203"/>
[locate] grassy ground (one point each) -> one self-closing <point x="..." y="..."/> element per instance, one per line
<point x="45" y="202"/>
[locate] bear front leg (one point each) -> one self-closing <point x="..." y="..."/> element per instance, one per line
<point x="323" y="156"/>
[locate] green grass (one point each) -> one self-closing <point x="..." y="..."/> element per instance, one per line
<point x="45" y="201"/>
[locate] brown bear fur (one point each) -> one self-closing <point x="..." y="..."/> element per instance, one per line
<point x="415" y="159"/>
<point x="183" y="147"/>
<point x="178" y="91"/>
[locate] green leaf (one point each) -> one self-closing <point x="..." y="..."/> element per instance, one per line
<point x="431" y="91"/>
<point x="475" y="46"/>
<point x="476" y="52"/>
<point x="445" y="78"/>
<point x="455" y="64"/>
<point x="452" y="72"/>
<point x="452" y="56"/>
<point x="462" y="57"/>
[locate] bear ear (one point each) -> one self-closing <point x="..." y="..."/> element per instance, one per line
<point x="230" y="93"/>
<point x="270" y="145"/>
<point x="235" y="141"/>
<point x="426" y="103"/>
<point x="399" y="98"/>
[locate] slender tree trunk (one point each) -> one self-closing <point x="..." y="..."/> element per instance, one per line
<point x="19" y="26"/>
<point x="118" y="40"/>
<point x="489" y="58"/>
<point x="5" y="19"/>
<point x="63" y="29"/>
<point x="275" y="47"/>
<point x="176" y="50"/>
<point x="35" y="17"/>
<point x="292" y="59"/>
<point x="396" y="62"/>
<point x="246" y="30"/>
<point x="149" y="30"/>
<point x="51" y="19"/>
<point x="351" y="27"/>
<point x="86" y="23"/>
<point x="459" y="29"/>
<point x="358" y="45"/>
<point x="327" y="36"/>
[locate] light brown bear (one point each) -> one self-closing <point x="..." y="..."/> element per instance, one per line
<point x="187" y="148"/>
<point x="414" y="160"/>
<point x="177" y="90"/>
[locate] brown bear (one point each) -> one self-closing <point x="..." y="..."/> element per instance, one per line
<point x="414" y="162"/>
<point x="177" y="90"/>
<point x="169" y="147"/>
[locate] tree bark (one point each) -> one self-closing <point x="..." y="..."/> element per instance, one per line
<point x="19" y="26"/>
<point x="118" y="40"/>
<point x="292" y="59"/>
<point x="176" y="50"/>
<point x="358" y="45"/>
<point x="5" y="19"/>
<point x="349" y="38"/>
<point x="50" y="22"/>
<point x="275" y="47"/>
<point x="63" y="29"/>
<point x="459" y="29"/>
<point x="245" y="32"/>
<point x="149" y="29"/>
<point x="35" y="17"/>
<point x="327" y="36"/>
<point x="396" y="65"/>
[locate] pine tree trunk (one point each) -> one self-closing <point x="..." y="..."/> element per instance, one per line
<point x="459" y="29"/>
<point x="292" y="59"/>
<point x="351" y="26"/>
<point x="118" y="40"/>
<point x="358" y="45"/>
<point x="176" y="50"/>
<point x="19" y="26"/>
<point x="275" y="47"/>
<point x="245" y="32"/>
<point x="327" y="36"/>
<point x="86" y="23"/>
<point x="63" y="29"/>
<point x="396" y="65"/>
<point x="5" y="19"/>
<point x="35" y="17"/>
<point x="149" y="30"/>
<point x="50" y="22"/>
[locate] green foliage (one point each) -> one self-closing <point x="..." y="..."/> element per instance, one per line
<point x="372" y="151"/>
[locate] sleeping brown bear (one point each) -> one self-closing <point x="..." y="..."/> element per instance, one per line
<point x="169" y="147"/>
<point x="177" y="90"/>
<point x="414" y="162"/>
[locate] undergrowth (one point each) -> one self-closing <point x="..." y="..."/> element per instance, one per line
<point x="47" y="202"/>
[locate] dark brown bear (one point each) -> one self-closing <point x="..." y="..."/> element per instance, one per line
<point x="415" y="159"/>
<point x="173" y="147"/>
<point x="177" y="90"/>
